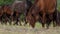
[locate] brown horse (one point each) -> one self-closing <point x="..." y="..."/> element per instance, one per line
<point x="43" y="7"/>
<point x="7" y="13"/>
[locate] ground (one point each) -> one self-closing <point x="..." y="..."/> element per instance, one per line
<point x="7" y="29"/>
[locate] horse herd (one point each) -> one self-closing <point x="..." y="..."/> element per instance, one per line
<point x="44" y="11"/>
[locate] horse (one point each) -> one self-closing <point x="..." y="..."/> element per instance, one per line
<point x="7" y="13"/>
<point x="57" y="17"/>
<point x="19" y="8"/>
<point x="43" y="7"/>
<point x="1" y="13"/>
<point x="28" y="6"/>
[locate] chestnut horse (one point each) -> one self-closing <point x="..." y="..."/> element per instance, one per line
<point x="44" y="7"/>
<point x="7" y="13"/>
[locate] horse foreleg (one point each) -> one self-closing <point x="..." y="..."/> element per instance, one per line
<point x="16" y="23"/>
<point x="43" y="20"/>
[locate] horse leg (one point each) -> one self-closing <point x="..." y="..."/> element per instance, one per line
<point x="54" y="24"/>
<point x="25" y="22"/>
<point x="43" y="25"/>
<point x="16" y="21"/>
<point x="43" y="20"/>
<point x="2" y="19"/>
<point x="5" y="20"/>
<point x="57" y="23"/>
<point x="47" y="24"/>
<point x="8" y="19"/>
<point x="19" y="21"/>
<point x="10" y="22"/>
<point x="54" y="20"/>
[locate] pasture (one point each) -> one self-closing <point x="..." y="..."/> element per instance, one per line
<point x="17" y="29"/>
<point x="7" y="29"/>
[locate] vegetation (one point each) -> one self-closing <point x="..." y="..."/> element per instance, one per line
<point x="58" y="4"/>
<point x="3" y="2"/>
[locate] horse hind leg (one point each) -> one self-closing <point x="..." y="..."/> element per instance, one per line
<point x="25" y="22"/>
<point x="16" y="23"/>
<point x="43" y="25"/>
<point x="54" y="24"/>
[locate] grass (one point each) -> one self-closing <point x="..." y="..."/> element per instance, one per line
<point x="7" y="29"/>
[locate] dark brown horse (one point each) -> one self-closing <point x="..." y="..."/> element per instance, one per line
<point x="57" y="18"/>
<point x="19" y="8"/>
<point x="28" y="6"/>
<point x="43" y="7"/>
<point x="7" y="13"/>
